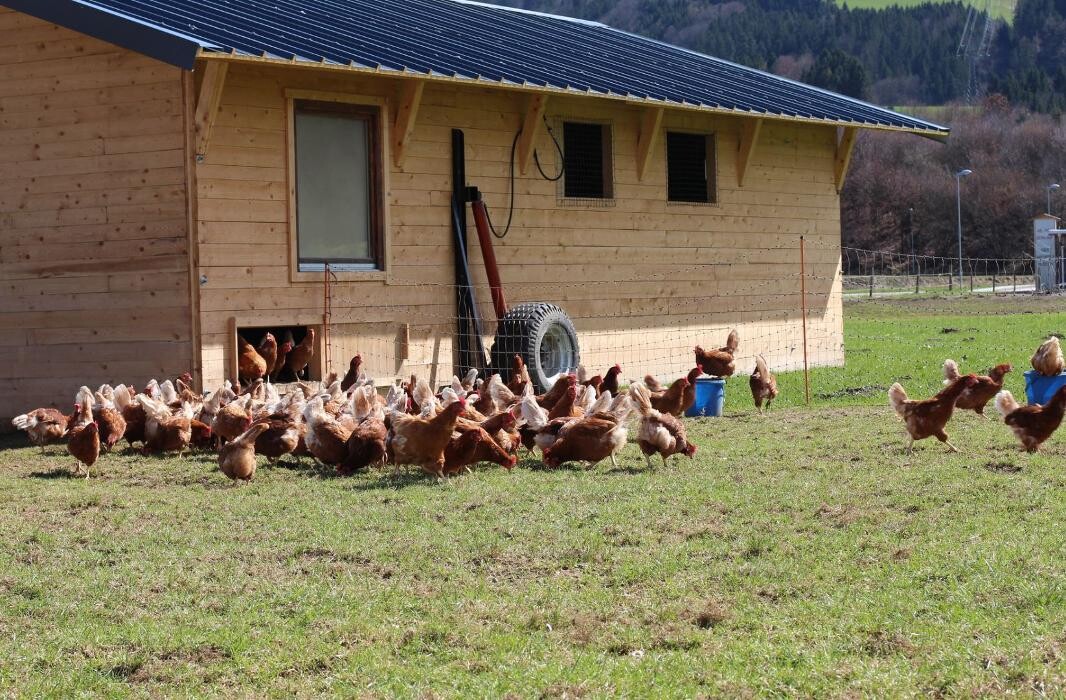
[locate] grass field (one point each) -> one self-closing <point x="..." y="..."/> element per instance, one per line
<point x="800" y="553"/>
<point x="1003" y="9"/>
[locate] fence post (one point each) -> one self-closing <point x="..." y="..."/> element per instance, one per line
<point x="871" y="286"/>
<point x="917" y="283"/>
<point x="327" y="319"/>
<point x="803" y="310"/>
<point x="993" y="282"/>
<point x="971" y="281"/>
<point x="951" y="278"/>
<point x="1015" y="290"/>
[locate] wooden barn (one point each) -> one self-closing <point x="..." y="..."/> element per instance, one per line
<point x="175" y="173"/>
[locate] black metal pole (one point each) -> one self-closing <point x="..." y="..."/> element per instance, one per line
<point x="471" y="350"/>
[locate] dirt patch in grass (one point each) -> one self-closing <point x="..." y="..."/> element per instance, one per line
<point x="868" y="390"/>
<point x="1003" y="467"/>
<point x="884" y="643"/>
<point x="710" y="615"/>
<point x="838" y="515"/>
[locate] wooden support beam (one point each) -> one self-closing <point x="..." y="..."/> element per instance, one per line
<point x="749" y="137"/>
<point x="650" y="122"/>
<point x="404" y="117"/>
<point x="845" y="144"/>
<point x="207" y="104"/>
<point x="535" y="106"/>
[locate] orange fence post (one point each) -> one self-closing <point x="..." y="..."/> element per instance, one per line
<point x="803" y="308"/>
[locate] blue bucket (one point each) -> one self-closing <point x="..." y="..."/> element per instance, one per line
<point x="1038" y="388"/>
<point x="710" y="398"/>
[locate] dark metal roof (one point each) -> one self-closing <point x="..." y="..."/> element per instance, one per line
<point x="459" y="40"/>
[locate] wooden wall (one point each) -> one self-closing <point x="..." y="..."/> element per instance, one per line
<point x="643" y="279"/>
<point x="93" y="221"/>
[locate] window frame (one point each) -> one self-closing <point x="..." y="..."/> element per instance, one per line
<point x="609" y="184"/>
<point x="711" y="139"/>
<point x="364" y="105"/>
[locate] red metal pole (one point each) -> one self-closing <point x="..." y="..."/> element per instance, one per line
<point x="481" y="222"/>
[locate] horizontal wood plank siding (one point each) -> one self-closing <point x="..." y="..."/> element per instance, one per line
<point x="94" y="269"/>
<point x="644" y="279"/>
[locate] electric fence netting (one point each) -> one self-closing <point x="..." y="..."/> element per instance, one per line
<point x="795" y="314"/>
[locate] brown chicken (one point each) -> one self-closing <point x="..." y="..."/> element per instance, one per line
<point x="201" y="436"/>
<point x="689" y="395"/>
<point x="164" y="431"/>
<point x="84" y="444"/>
<point x="286" y="346"/>
<point x="367" y="445"/>
<point x="519" y="376"/>
<point x="232" y="419"/>
<point x="719" y="363"/>
<point x="565" y="407"/>
<point x="250" y="364"/>
<point x="112" y="427"/>
<point x="473" y="445"/>
<point x="610" y="380"/>
<point x="1048" y="360"/>
<point x="352" y="375"/>
<point x="558" y="390"/>
<point x="671" y="401"/>
<point x="44" y="426"/>
<point x="659" y="433"/>
<point x="422" y="441"/>
<point x="268" y="350"/>
<point x="1033" y="425"/>
<point x="326" y="438"/>
<point x="763" y="384"/>
<point x="136" y="418"/>
<point x="927" y="418"/>
<point x="237" y="457"/>
<point x="300" y="356"/>
<point x="590" y="439"/>
<point x="503" y="429"/>
<point x="281" y="437"/>
<point x="985" y="390"/>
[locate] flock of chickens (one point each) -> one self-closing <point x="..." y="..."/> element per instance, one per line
<point x="1033" y="425"/>
<point x="347" y="424"/>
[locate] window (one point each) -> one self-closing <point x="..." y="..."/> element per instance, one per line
<point x="338" y="192"/>
<point x="587" y="161"/>
<point x="691" y="168"/>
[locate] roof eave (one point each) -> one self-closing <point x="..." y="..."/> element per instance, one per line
<point x="129" y="33"/>
<point x="932" y="133"/>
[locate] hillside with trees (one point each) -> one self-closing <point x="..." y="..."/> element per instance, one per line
<point x="1013" y="138"/>
<point x="892" y="56"/>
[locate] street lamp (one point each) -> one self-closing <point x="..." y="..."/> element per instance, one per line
<point x="1050" y="188"/>
<point x="958" y="212"/>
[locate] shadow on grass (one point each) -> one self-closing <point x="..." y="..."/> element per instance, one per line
<point x="58" y="473"/>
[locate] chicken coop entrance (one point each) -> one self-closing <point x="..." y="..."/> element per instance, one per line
<point x="296" y="335"/>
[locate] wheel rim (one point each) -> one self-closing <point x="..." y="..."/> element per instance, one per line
<point x="556" y="353"/>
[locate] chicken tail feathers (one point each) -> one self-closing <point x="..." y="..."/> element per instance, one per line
<point x="24" y="422"/>
<point x="951" y="371"/>
<point x="1006" y="404"/>
<point x="642" y="397"/>
<point x="897" y="397"/>
<point x="761" y="369"/>
<point x="733" y="341"/>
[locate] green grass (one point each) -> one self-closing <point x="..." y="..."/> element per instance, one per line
<point x="801" y="553"/>
<point x="906" y="340"/>
<point x="1002" y="9"/>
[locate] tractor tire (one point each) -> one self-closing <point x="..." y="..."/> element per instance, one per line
<point x="543" y="336"/>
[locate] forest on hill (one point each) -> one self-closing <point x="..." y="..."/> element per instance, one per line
<point x="891" y="56"/>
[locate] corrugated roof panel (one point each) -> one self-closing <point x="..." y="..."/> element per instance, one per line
<point x="474" y="41"/>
